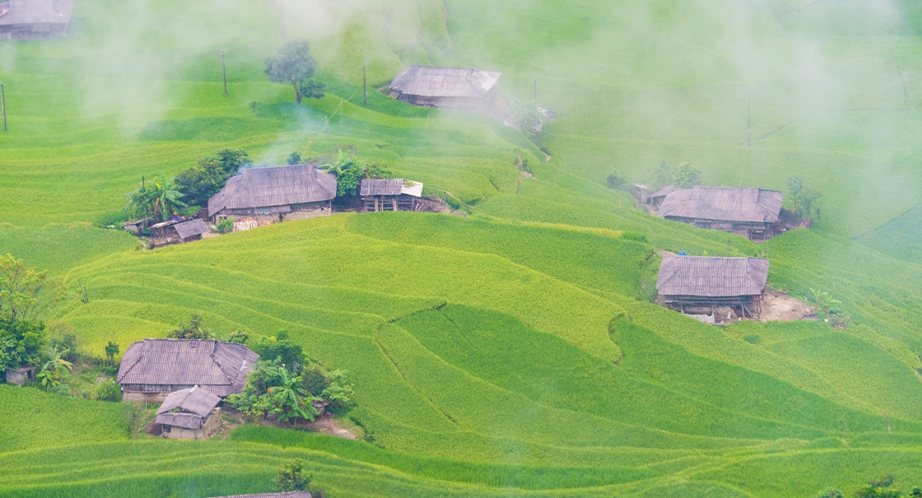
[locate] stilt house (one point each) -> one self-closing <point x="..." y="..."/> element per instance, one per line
<point x="275" y="192"/>
<point x="391" y="194"/>
<point x="446" y="87"/>
<point x="749" y="212"/>
<point x="153" y="368"/>
<point x="34" y="19"/>
<point x="191" y="413"/>
<point x="696" y="284"/>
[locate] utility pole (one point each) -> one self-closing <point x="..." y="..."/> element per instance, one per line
<point x="536" y="90"/>
<point x="364" y="87"/>
<point x="3" y="104"/>
<point x="224" y="70"/>
<point x="748" y="121"/>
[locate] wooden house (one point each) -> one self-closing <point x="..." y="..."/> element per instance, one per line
<point x="191" y="413"/>
<point x="20" y="376"/>
<point x="34" y="19"/>
<point x="279" y="192"/>
<point x="153" y="368"/>
<point x="391" y="194"/>
<point x="446" y="87"/>
<point x="749" y="212"/>
<point x="696" y="284"/>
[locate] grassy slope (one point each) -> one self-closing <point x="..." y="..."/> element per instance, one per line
<point x="505" y="353"/>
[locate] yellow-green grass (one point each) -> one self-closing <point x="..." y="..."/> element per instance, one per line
<point x="507" y="349"/>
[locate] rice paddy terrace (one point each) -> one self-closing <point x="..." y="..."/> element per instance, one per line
<point x="512" y="352"/>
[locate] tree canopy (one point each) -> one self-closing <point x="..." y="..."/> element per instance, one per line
<point x="292" y="64"/>
<point x="198" y="183"/>
<point x="350" y="172"/>
<point x="158" y="199"/>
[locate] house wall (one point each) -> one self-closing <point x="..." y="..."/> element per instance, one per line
<point x="211" y="425"/>
<point x="32" y="31"/>
<point x="279" y="213"/>
<point x="20" y="377"/>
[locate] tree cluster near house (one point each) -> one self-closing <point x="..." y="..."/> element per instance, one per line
<point x="293" y="64"/>
<point x="289" y="387"/>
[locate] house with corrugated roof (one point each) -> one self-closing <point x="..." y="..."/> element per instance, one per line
<point x="275" y="193"/>
<point x="695" y="284"/>
<point x="390" y="194"/>
<point x="446" y="87"/>
<point x="34" y="19"/>
<point x="153" y="368"/>
<point x="750" y="212"/>
<point x="190" y="413"/>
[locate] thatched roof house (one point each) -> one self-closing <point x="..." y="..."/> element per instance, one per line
<point x="446" y="87"/>
<point x="274" y="191"/>
<point x="703" y="282"/>
<point x="152" y="368"/>
<point x="33" y="19"/>
<point x="189" y="414"/>
<point x="750" y="212"/>
<point x="390" y="194"/>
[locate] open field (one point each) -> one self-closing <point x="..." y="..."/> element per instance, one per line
<point x="512" y="352"/>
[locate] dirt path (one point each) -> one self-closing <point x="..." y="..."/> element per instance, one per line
<point x="326" y="424"/>
<point x="779" y="306"/>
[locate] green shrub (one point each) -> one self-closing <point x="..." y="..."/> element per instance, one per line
<point x="225" y="225"/>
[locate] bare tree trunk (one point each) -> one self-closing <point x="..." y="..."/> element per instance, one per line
<point x="297" y="91"/>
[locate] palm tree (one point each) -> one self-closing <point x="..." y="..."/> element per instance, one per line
<point x="53" y="370"/>
<point x="159" y="198"/>
<point x="290" y="399"/>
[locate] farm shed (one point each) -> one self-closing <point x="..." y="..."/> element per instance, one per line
<point x="183" y="231"/>
<point x="446" y="87"/>
<point x="34" y="19"/>
<point x="20" y="376"/>
<point x="749" y="212"/>
<point x="191" y="413"/>
<point x="391" y="194"/>
<point x="692" y="283"/>
<point x="153" y="368"/>
<point x="276" y="191"/>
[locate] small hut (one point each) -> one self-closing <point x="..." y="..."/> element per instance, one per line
<point x="20" y="376"/>
<point x="191" y="413"/>
<point x="701" y="284"/>
<point x="188" y="231"/>
<point x="34" y="19"/>
<point x="153" y="368"/>
<point x="275" y="193"/>
<point x="446" y="87"/>
<point x="179" y="230"/>
<point x="749" y="212"/>
<point x="391" y="194"/>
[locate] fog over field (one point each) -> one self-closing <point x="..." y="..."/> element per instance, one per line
<point x="513" y="347"/>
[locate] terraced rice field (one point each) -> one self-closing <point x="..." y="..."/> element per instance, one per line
<point x="512" y="352"/>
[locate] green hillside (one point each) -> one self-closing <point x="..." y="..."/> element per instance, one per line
<point x="512" y="351"/>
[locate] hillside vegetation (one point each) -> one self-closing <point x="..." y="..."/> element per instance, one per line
<point x="512" y="351"/>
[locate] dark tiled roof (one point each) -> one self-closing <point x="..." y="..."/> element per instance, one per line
<point x="381" y="186"/>
<point x="193" y="400"/>
<point x="35" y="12"/>
<point x="723" y="204"/>
<point x="712" y="277"/>
<point x="184" y="420"/>
<point x="191" y="228"/>
<point x="219" y="367"/>
<point x="278" y="186"/>
<point x="427" y="81"/>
